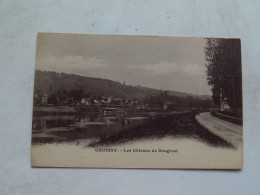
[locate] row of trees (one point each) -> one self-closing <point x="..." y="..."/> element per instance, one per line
<point x="186" y="102"/>
<point x="224" y="71"/>
<point x="75" y="96"/>
<point x="70" y="97"/>
<point x="63" y="95"/>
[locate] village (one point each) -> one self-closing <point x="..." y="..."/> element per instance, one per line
<point x="163" y="101"/>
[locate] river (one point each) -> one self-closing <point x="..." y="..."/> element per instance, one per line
<point x="72" y="140"/>
<point x="54" y="128"/>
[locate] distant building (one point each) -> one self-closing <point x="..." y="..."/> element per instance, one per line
<point x="109" y="99"/>
<point x="168" y="104"/>
<point x="224" y="105"/>
<point x="117" y="101"/>
<point x="83" y="101"/>
<point x="45" y="99"/>
<point x="86" y="101"/>
<point x="104" y="101"/>
<point x="97" y="102"/>
<point x="168" y="101"/>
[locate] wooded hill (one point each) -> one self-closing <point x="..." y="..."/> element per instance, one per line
<point x="51" y="82"/>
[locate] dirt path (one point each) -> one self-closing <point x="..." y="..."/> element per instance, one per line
<point x="230" y="132"/>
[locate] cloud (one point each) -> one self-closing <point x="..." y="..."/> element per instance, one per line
<point x="122" y="50"/>
<point x="165" y="67"/>
<point x="70" y="63"/>
<point x="159" y="62"/>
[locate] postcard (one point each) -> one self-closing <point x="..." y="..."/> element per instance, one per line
<point x="152" y="102"/>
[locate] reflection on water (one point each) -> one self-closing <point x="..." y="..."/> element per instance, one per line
<point x="47" y="129"/>
<point x="109" y="129"/>
<point x="47" y="122"/>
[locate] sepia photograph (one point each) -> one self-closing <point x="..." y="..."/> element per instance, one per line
<point x="123" y="101"/>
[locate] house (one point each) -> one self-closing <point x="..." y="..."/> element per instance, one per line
<point x="45" y="99"/>
<point x="109" y="99"/>
<point x="86" y="101"/>
<point x="117" y="101"/>
<point x="83" y="101"/>
<point x="104" y="101"/>
<point x="168" y="104"/>
<point x="133" y="102"/>
<point x="97" y="103"/>
<point x="224" y="105"/>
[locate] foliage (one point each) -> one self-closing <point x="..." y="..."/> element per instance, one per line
<point x="224" y="73"/>
<point x="154" y="101"/>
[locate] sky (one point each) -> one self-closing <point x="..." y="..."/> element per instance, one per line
<point x="168" y="63"/>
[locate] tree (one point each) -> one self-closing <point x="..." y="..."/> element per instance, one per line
<point x="153" y="101"/>
<point x="62" y="94"/>
<point x="77" y="94"/>
<point x="224" y="71"/>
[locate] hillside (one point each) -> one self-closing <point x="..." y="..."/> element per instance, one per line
<point x="50" y="82"/>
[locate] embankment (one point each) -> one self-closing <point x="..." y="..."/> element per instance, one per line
<point x="54" y="110"/>
<point x="231" y="119"/>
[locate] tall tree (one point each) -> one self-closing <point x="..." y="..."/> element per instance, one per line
<point x="224" y="71"/>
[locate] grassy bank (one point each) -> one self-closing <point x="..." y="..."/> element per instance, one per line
<point x="62" y="110"/>
<point x="53" y="110"/>
<point x="177" y="125"/>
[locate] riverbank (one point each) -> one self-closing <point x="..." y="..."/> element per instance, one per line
<point x="118" y="130"/>
<point x="176" y="125"/>
<point x="54" y="110"/>
<point x="228" y="131"/>
<point x="70" y="110"/>
<point x="228" y="117"/>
